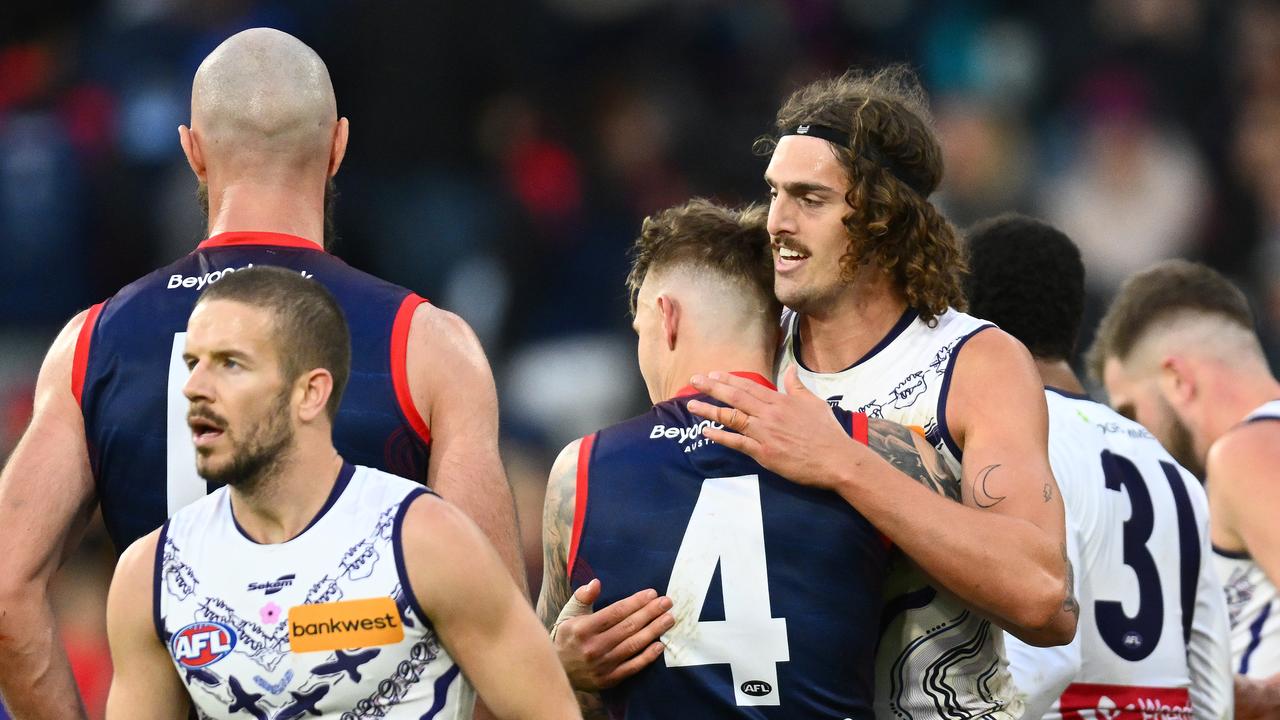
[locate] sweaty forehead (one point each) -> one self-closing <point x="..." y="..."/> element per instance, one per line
<point x="800" y="159"/>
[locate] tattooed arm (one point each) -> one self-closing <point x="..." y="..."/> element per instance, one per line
<point x="912" y="455"/>
<point x="999" y="550"/>
<point x="602" y="648"/>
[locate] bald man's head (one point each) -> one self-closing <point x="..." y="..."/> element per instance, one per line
<point x="263" y="99"/>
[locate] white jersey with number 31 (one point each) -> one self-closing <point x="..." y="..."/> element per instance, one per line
<point x="1151" y="636"/>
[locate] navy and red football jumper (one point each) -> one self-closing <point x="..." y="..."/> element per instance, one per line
<point x="128" y="375"/>
<point x="776" y="586"/>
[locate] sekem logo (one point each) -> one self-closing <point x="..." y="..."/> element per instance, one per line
<point x="202" y="643"/>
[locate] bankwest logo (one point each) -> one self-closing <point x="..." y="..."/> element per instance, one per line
<point x="200" y="281"/>
<point x="344" y="625"/>
<point x="272" y="586"/>
<point x="202" y="643"/>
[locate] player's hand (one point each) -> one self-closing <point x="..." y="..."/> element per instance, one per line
<point x="601" y="649"/>
<point x="794" y="434"/>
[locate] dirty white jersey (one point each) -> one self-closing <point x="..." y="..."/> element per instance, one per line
<point x="1151" y="640"/>
<point x="937" y="659"/>
<point x="324" y="625"/>
<point x="1251" y="598"/>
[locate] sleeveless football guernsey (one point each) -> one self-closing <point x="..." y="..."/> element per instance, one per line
<point x="1251" y="597"/>
<point x="128" y="376"/>
<point x="323" y="625"/>
<point x="937" y="659"/>
<point x="776" y="586"/>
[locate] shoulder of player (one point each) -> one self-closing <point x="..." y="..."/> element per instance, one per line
<point x="433" y="527"/>
<point x="445" y="333"/>
<point x="565" y="466"/>
<point x="1245" y="456"/>
<point x="994" y="371"/>
<point x="443" y="353"/>
<point x="59" y="361"/>
<point x="135" y="570"/>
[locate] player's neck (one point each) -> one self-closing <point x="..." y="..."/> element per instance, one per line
<point x="842" y="333"/>
<point x="283" y="505"/>
<point x="266" y="207"/>
<point x="723" y="358"/>
<point x="1058" y="374"/>
<point x="1235" y="394"/>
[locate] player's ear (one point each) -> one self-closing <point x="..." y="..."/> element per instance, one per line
<point x="1177" y="381"/>
<point x="669" y="309"/>
<point x="195" y="155"/>
<point x="316" y="386"/>
<point x="339" y="148"/>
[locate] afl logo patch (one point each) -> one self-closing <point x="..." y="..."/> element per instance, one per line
<point x="202" y="643"/>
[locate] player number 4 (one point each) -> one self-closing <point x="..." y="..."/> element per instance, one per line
<point x="727" y="529"/>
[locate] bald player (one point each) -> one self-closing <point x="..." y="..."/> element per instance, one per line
<point x="1178" y="353"/>
<point x="109" y="424"/>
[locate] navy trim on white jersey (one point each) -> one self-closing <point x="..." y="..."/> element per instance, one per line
<point x="943" y="430"/>
<point x="1255" y="638"/>
<point x="397" y="545"/>
<point x="344" y="477"/>
<point x="1233" y="554"/>
<point x="157" y="582"/>
<point x="908" y="316"/>
<point x="1068" y="394"/>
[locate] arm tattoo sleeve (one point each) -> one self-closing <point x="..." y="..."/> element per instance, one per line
<point x="913" y="456"/>
<point x="557" y="530"/>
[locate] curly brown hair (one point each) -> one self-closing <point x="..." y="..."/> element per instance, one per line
<point x="733" y="243"/>
<point x="886" y="114"/>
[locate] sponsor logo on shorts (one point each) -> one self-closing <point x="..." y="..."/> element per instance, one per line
<point x="203" y="643"/>
<point x="344" y="625"/>
<point x="198" y="282"/>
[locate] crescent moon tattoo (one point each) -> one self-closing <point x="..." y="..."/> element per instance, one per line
<point x="981" y="497"/>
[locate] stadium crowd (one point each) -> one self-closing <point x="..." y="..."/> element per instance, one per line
<point x="503" y="156"/>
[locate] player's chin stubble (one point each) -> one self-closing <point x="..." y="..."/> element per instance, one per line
<point x="261" y="454"/>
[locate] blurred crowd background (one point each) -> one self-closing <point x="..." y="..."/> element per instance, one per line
<point x="503" y="154"/>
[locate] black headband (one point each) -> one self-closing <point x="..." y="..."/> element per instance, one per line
<point x="841" y="138"/>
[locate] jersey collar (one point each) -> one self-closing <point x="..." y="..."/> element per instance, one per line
<point x="757" y="378"/>
<point x="247" y="237"/>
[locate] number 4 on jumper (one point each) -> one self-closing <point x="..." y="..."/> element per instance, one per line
<point x="727" y="529"/>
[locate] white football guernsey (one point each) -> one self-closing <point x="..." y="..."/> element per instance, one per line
<point x="937" y="658"/>
<point x="1251" y="598"/>
<point x="1151" y="636"/>
<point x="324" y="625"/>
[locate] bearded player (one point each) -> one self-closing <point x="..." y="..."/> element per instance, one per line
<point x="310" y="586"/>
<point x="1153" y="624"/>
<point x="1178" y="353"/>
<point x="109" y="426"/>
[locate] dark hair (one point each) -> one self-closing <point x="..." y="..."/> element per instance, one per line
<point x="311" y="331"/>
<point x="1156" y="294"/>
<point x="886" y="114"/>
<point x="733" y="243"/>
<point x="1027" y="277"/>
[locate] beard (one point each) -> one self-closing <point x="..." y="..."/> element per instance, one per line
<point x="259" y="457"/>
<point x="330" y="199"/>
<point x="1182" y="447"/>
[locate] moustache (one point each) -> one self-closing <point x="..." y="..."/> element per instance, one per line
<point x="207" y="415"/>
